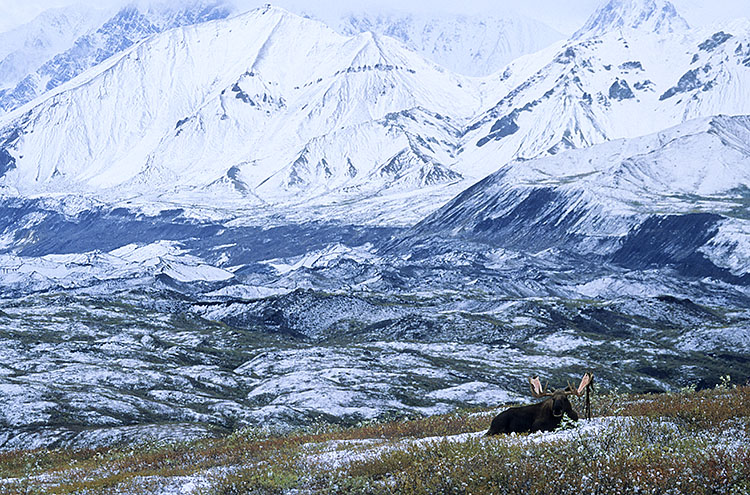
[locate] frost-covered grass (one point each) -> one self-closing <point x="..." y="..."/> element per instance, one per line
<point x="686" y="442"/>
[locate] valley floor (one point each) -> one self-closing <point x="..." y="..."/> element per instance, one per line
<point x="686" y="442"/>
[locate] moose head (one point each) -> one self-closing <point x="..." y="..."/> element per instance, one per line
<point x="543" y="416"/>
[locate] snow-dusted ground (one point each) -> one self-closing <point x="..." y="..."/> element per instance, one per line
<point x="127" y="262"/>
<point x="218" y="329"/>
<point x="131" y="372"/>
<point x="332" y="455"/>
<point x="335" y="454"/>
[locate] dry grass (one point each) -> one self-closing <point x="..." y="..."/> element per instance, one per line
<point x="704" y="409"/>
<point x="666" y="444"/>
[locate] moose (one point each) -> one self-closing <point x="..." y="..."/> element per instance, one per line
<point x="543" y="416"/>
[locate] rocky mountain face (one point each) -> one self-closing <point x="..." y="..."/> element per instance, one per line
<point x="62" y="44"/>
<point x="248" y="221"/>
<point x="610" y="81"/>
<point x="679" y="192"/>
<point x="25" y="48"/>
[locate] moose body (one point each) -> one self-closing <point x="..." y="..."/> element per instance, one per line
<point x="543" y="416"/>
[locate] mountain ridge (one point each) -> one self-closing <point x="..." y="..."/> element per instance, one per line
<point x="655" y="16"/>
<point x="380" y="77"/>
<point x="124" y="28"/>
<point x="381" y="124"/>
<point x="593" y="200"/>
<point x="469" y="45"/>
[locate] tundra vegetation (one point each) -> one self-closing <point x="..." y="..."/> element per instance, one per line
<point x="683" y="442"/>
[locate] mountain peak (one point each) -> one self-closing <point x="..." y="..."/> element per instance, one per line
<point x="654" y="16"/>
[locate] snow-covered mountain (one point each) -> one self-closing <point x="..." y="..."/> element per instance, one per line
<point x="677" y="198"/>
<point x="60" y="44"/>
<point x="469" y="45"/>
<point x="628" y="73"/>
<point x="649" y="16"/>
<point x="263" y="107"/>
<point x="24" y="49"/>
<point x="270" y="113"/>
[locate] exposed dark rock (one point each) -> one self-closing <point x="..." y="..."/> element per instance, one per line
<point x="503" y="127"/>
<point x="688" y="82"/>
<point x="241" y="95"/>
<point x="438" y="174"/>
<point x="631" y="65"/>
<point x="567" y="56"/>
<point x="715" y="40"/>
<point x="323" y="165"/>
<point x="7" y="162"/>
<point x="620" y="90"/>
<point x="351" y="171"/>
<point x="233" y="174"/>
<point x="643" y="85"/>
<point x="674" y="241"/>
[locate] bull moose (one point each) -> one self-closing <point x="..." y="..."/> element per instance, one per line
<point x="543" y="416"/>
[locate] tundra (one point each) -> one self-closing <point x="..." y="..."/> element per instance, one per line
<point x="543" y="416"/>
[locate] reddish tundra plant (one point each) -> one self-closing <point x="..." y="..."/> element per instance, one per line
<point x="690" y="442"/>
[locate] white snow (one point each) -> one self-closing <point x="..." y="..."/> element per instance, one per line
<point x="476" y="45"/>
<point x="730" y="248"/>
<point x="130" y="261"/>
<point x="261" y="122"/>
<point x="25" y="48"/>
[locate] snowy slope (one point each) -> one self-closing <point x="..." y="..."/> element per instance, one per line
<point x="470" y="45"/>
<point x="671" y="195"/>
<point x="264" y="104"/>
<point x="61" y="44"/>
<point x="628" y="73"/>
<point x="24" y="49"/>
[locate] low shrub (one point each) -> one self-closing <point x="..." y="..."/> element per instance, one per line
<point x="692" y="442"/>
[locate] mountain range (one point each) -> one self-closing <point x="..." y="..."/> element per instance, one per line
<point x="477" y="45"/>
<point x="64" y="42"/>
<point x="58" y="45"/>
<point x="340" y="120"/>
<point x="238" y="219"/>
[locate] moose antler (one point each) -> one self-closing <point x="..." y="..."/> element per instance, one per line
<point x="536" y="388"/>
<point x="585" y="382"/>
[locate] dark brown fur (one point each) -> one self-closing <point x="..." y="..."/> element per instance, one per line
<point x="544" y="416"/>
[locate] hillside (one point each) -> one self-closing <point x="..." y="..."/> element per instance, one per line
<point x="687" y="442"/>
<point x="256" y="221"/>
<point x="60" y="44"/>
<point x="677" y="197"/>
